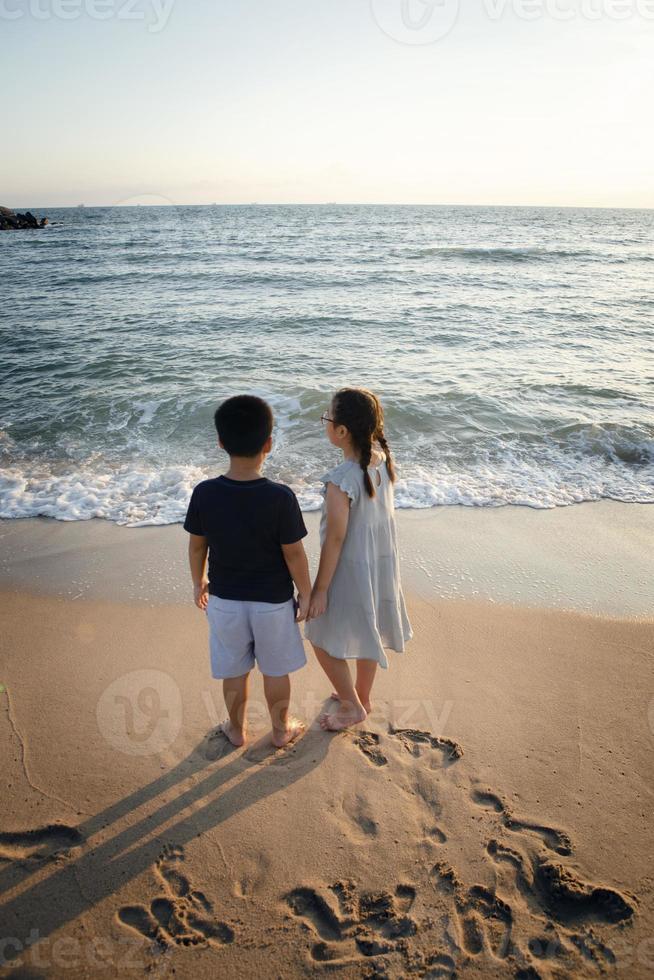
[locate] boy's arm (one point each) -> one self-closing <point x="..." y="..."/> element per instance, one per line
<point x="198" y="547"/>
<point x="297" y="564"/>
<point x="338" y="515"/>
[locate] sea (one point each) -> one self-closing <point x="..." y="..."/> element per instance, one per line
<point x="512" y="348"/>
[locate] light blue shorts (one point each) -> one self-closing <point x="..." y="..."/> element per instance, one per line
<point x="242" y="632"/>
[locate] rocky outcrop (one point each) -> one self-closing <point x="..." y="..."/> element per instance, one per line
<point x="11" y="220"/>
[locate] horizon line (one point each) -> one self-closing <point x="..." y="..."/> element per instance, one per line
<point x="366" y="204"/>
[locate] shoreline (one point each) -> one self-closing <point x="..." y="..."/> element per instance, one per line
<point x="592" y="557"/>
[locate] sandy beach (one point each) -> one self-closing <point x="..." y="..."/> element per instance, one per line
<point x="398" y="257"/>
<point x="492" y="817"/>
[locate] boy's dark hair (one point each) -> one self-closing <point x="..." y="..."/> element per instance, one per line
<point x="244" y="424"/>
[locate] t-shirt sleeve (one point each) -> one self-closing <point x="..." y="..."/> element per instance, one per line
<point x="291" y="522"/>
<point x="192" y="523"/>
<point x="346" y="477"/>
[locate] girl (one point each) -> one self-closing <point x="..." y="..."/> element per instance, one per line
<point x="357" y="607"/>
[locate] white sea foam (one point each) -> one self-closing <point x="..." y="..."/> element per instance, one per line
<point x="138" y="496"/>
<point x="125" y="496"/>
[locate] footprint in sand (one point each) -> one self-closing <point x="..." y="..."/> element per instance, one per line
<point x="428" y="752"/>
<point x="435" y="965"/>
<point x="593" y="949"/>
<point x="537" y="916"/>
<point x="180" y="915"/>
<point x="480" y="920"/>
<point x="547" y="892"/>
<point x="348" y="926"/>
<point x="214" y="746"/>
<point x="40" y="843"/>
<point x="559" y="891"/>
<point x="555" y="840"/>
<point x="562" y="906"/>
<point x="361" y="814"/>
<point x="416" y="742"/>
<point x="368" y="742"/>
<point x="413" y="740"/>
<point x="437" y="835"/>
<point x="364" y="929"/>
<point x="420" y="745"/>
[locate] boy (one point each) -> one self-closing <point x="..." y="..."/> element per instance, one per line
<point x="253" y="530"/>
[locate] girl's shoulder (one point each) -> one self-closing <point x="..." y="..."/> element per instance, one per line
<point x="347" y="476"/>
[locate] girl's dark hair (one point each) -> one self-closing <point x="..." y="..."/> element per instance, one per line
<point x="363" y="416"/>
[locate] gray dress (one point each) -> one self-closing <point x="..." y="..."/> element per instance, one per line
<point x="365" y="606"/>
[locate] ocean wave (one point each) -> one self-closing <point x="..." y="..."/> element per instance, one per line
<point x="137" y="495"/>
<point x="578" y="390"/>
<point x="127" y="495"/>
<point x="612" y="442"/>
<point x="518" y="253"/>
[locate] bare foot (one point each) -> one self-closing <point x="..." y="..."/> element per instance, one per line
<point x="235" y="736"/>
<point x="366" y="704"/>
<point x="293" y="730"/>
<point x="342" y="718"/>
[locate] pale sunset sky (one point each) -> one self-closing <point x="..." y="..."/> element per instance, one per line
<point x="196" y="101"/>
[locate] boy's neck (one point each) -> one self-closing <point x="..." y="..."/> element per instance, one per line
<point x="245" y="467"/>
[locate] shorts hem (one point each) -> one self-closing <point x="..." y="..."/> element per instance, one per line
<point x="266" y="673"/>
<point x="230" y="676"/>
<point x="283" y="673"/>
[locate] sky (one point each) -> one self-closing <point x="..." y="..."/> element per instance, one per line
<point x="500" y="102"/>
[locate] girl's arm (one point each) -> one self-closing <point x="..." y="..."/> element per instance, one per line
<point x="338" y="515"/>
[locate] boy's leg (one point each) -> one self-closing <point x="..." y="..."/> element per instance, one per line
<point x="278" y="696"/>
<point x="235" y="692"/>
<point x="350" y="710"/>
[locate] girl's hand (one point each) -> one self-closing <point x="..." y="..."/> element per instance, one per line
<point x="318" y="603"/>
<point x="201" y="594"/>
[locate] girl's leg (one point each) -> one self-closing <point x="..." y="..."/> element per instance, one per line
<point x="350" y="711"/>
<point x="366" y="671"/>
<point x="235" y="692"/>
<point x="278" y="696"/>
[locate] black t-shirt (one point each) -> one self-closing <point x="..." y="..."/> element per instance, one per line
<point x="246" y="523"/>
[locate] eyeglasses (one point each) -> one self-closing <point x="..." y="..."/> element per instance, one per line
<point x="324" y="418"/>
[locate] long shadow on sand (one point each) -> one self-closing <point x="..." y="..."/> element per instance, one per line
<point x="58" y="899"/>
<point x="41" y="842"/>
